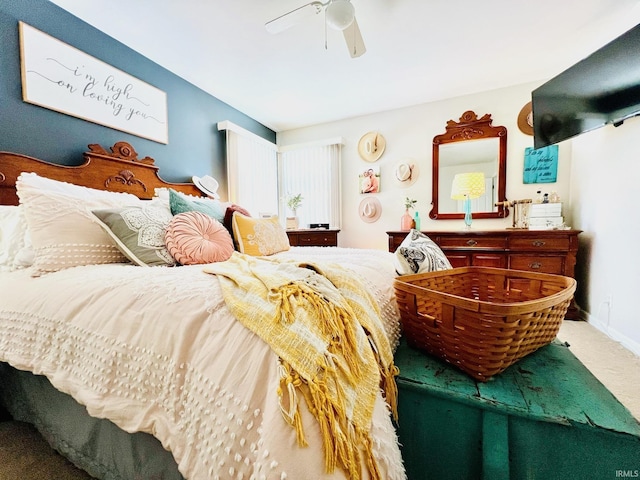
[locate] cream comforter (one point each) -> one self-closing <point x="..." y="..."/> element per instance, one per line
<point x="156" y="350"/>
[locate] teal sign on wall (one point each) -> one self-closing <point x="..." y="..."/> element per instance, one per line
<point x="541" y="165"/>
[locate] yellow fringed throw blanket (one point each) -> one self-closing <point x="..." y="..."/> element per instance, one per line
<point x="326" y="330"/>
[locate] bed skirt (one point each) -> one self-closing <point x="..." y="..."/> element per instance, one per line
<point x="96" y="446"/>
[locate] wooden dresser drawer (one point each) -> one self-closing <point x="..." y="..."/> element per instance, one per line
<point x="539" y="242"/>
<point x="477" y="259"/>
<point x="460" y="241"/>
<point x="538" y="263"/>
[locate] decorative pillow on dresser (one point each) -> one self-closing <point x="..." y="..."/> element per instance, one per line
<point x="418" y="253"/>
<point x="259" y="236"/>
<point x="195" y="238"/>
<point x="63" y="231"/>
<point x="139" y="231"/>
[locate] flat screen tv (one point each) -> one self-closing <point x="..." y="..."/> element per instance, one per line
<point x="602" y="89"/>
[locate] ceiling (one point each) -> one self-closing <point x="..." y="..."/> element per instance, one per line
<point x="418" y="51"/>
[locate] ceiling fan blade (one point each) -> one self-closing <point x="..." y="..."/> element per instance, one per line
<point x="354" y="40"/>
<point x="289" y="19"/>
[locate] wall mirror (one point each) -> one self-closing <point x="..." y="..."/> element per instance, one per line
<point x="470" y="145"/>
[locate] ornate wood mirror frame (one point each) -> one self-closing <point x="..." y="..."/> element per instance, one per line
<point x="470" y="129"/>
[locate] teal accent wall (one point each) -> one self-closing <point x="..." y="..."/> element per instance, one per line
<point x="195" y="147"/>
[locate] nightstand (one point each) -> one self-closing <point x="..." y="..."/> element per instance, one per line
<point x="316" y="237"/>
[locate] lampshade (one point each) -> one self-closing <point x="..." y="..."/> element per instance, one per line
<point x="467" y="185"/>
<point x="339" y="14"/>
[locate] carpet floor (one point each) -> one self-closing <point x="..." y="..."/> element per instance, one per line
<point x="25" y="455"/>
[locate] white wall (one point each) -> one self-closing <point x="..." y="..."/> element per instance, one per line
<point x="409" y="133"/>
<point x="605" y="205"/>
<point x="596" y="176"/>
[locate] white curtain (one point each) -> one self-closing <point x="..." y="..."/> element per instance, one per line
<point x="262" y="184"/>
<point x="252" y="170"/>
<point x="314" y="172"/>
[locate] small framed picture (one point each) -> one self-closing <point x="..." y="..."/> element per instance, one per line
<point x="369" y="180"/>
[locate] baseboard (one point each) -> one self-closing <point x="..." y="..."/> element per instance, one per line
<point x="612" y="333"/>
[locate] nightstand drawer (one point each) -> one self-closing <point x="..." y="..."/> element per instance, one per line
<point x="313" y="238"/>
<point x="317" y="239"/>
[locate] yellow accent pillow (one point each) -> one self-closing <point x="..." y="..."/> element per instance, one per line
<point x="259" y="236"/>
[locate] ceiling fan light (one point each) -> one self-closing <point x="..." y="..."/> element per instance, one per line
<point x="340" y="14"/>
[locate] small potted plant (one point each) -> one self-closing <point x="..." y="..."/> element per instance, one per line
<point x="408" y="203"/>
<point x="294" y="202"/>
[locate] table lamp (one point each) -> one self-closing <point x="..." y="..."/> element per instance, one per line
<point x="467" y="186"/>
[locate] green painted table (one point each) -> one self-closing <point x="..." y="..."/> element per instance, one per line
<point x="546" y="417"/>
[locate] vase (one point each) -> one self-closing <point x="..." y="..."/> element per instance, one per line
<point x="406" y="220"/>
<point x="292" y="223"/>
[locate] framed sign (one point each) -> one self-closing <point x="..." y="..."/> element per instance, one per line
<point x="62" y="78"/>
<point x="541" y="165"/>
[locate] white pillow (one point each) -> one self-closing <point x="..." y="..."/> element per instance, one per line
<point x="13" y="235"/>
<point x="63" y="231"/>
<point x="26" y="255"/>
<point x="418" y="253"/>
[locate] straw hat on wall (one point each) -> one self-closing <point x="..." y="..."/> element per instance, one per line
<point x="370" y="209"/>
<point x="406" y="173"/>
<point x="525" y="119"/>
<point x="371" y="146"/>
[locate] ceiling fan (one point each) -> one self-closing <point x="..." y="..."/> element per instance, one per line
<point x="339" y="15"/>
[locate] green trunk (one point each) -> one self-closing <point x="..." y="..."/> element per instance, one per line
<point x="546" y="417"/>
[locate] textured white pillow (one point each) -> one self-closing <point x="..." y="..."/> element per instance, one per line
<point x="418" y="253"/>
<point x="13" y="235"/>
<point x="64" y="233"/>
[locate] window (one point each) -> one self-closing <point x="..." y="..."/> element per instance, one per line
<point x="314" y="172"/>
<point x="261" y="176"/>
<point x="252" y="170"/>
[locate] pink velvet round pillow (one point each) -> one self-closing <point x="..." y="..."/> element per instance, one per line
<point x="194" y="237"/>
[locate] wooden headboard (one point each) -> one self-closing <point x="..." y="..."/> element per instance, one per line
<point x="117" y="170"/>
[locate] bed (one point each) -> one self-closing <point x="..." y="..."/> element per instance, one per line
<point x="133" y="368"/>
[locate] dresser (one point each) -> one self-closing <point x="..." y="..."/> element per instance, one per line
<point x="313" y="237"/>
<point x="545" y="251"/>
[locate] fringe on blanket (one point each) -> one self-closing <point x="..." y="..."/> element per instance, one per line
<point x="344" y="443"/>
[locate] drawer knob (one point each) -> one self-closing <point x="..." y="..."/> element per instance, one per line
<point x="538" y="243"/>
<point x="535" y="265"/>
<point x="472" y="243"/>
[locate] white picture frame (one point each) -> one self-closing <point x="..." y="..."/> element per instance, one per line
<point x="62" y="78"/>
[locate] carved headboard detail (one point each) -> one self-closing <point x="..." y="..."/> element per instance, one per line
<point x="119" y="170"/>
<point x="122" y="150"/>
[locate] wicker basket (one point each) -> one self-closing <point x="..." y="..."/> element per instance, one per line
<point x="480" y="319"/>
